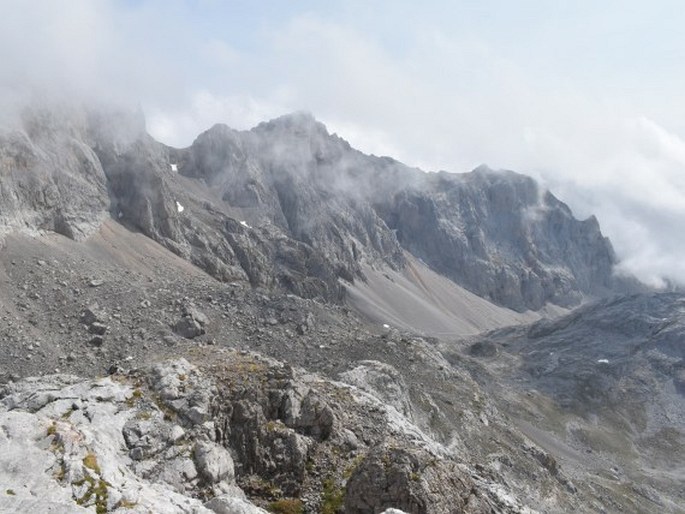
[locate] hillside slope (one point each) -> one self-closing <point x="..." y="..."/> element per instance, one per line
<point x="603" y="388"/>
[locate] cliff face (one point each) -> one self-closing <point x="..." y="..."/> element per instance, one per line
<point x="289" y="205"/>
<point x="50" y="177"/>
<point x="501" y="236"/>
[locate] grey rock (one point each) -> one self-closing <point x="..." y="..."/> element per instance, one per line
<point x="312" y="415"/>
<point x="231" y="505"/>
<point x="500" y="235"/>
<point x="91" y="315"/>
<point x="188" y="327"/>
<point x="401" y="479"/>
<point x="96" y="341"/>
<point x="97" y="328"/>
<point x="317" y="208"/>
<point x="193" y="312"/>
<point x="52" y="179"/>
<point x="381" y="380"/>
<point x="213" y="462"/>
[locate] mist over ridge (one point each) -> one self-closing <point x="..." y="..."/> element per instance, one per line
<point x="342" y="257"/>
<point x="443" y="99"/>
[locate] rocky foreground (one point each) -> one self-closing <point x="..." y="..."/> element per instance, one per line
<point x="176" y="437"/>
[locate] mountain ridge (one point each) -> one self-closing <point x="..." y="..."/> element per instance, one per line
<point x="327" y="315"/>
<point x="336" y="207"/>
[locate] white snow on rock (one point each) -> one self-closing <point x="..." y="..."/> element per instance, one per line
<point x="603" y="361"/>
<point x="244" y="224"/>
<point x="174" y="167"/>
<point x="179" y="207"/>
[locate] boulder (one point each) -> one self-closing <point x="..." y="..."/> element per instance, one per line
<point x="225" y="504"/>
<point x="213" y="462"/>
<point x="188" y="327"/>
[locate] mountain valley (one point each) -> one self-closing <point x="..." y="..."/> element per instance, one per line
<point x="270" y="320"/>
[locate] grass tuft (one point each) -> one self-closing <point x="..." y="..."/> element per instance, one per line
<point x="91" y="462"/>
<point x="286" y="506"/>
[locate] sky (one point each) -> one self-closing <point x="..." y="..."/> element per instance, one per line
<point x="585" y="96"/>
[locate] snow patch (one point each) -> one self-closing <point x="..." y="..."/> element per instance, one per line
<point x="179" y="207"/>
<point x="603" y="361"/>
<point x="244" y="224"/>
<point x="386" y="326"/>
<point x="174" y="167"/>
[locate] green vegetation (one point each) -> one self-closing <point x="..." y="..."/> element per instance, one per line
<point x="60" y="473"/>
<point x="257" y="486"/>
<point x="352" y="466"/>
<point x="136" y="396"/>
<point x="125" y="504"/>
<point x="10" y="492"/>
<point x="96" y="488"/>
<point x="332" y="498"/>
<point x="91" y="462"/>
<point x="144" y="415"/>
<point x="286" y="506"/>
<point x="273" y="426"/>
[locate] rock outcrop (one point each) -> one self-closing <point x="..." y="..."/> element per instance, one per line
<point x="239" y="433"/>
<point x="500" y="235"/>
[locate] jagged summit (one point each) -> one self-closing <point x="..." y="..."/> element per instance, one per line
<point x="332" y="208"/>
<point x="298" y="122"/>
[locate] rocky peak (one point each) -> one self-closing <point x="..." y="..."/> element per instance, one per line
<point x="497" y="233"/>
<point x="298" y="123"/>
<point x="502" y="236"/>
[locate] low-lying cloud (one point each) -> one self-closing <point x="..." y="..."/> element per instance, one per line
<point x="440" y="100"/>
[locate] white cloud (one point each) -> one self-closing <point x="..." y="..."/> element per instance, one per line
<point x="631" y="174"/>
<point x="178" y="126"/>
<point x="445" y="100"/>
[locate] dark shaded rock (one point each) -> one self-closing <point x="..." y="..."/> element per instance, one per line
<point x="91" y="315"/>
<point x="500" y="235"/>
<point x="97" y="328"/>
<point x="679" y="381"/>
<point x="193" y="312"/>
<point x="96" y="341"/>
<point x="483" y="349"/>
<point x="411" y="480"/>
<point x="188" y="327"/>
